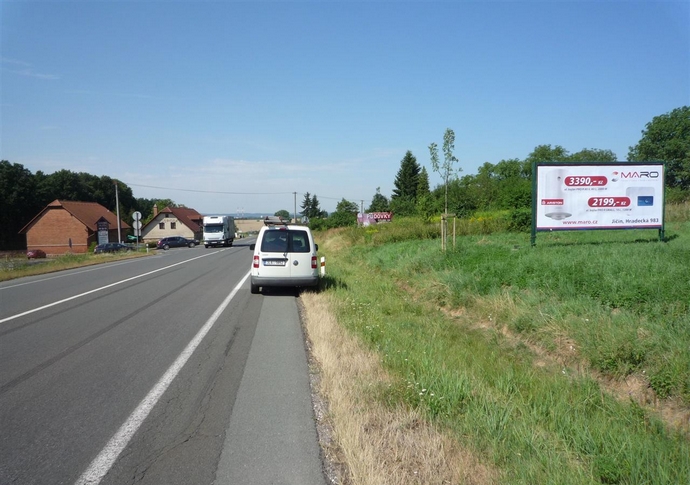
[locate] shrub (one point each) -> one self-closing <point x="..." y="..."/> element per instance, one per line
<point x="520" y="220"/>
<point x="678" y="212"/>
<point x="676" y="195"/>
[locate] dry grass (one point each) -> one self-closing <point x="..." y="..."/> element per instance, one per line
<point x="248" y="225"/>
<point x="379" y="446"/>
<point x="678" y="212"/>
<point x="17" y="267"/>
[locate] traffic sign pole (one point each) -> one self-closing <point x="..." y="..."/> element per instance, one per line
<point x="137" y="225"/>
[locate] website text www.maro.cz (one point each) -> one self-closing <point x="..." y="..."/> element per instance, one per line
<point x="581" y="223"/>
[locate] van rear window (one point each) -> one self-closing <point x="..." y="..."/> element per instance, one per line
<point x="281" y="241"/>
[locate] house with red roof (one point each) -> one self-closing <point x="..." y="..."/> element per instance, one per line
<point x="173" y="221"/>
<point x="65" y="226"/>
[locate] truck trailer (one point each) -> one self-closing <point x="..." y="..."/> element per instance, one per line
<point x="218" y="231"/>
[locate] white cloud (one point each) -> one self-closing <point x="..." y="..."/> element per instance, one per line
<point x="22" y="68"/>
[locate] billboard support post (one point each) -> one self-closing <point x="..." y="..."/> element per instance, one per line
<point x="533" y="236"/>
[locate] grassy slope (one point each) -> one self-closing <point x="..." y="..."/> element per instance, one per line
<point x="494" y="341"/>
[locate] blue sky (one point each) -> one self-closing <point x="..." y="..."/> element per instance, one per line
<point x="228" y="106"/>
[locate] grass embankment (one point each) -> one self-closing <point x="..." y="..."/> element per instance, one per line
<point x="15" y="265"/>
<point x="550" y="364"/>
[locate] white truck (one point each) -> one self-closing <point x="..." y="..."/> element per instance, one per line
<point x="218" y="231"/>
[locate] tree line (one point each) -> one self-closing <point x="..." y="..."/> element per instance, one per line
<point x="24" y="194"/>
<point x="507" y="185"/>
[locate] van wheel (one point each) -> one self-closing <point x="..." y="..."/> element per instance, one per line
<point x="254" y="289"/>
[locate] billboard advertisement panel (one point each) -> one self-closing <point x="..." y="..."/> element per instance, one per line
<point x="374" y="217"/>
<point x="599" y="196"/>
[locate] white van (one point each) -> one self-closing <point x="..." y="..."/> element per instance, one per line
<point x="284" y="255"/>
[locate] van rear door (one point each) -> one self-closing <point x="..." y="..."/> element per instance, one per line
<point x="300" y="253"/>
<point x="274" y="253"/>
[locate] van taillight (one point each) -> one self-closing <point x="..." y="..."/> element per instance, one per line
<point x="256" y="261"/>
<point x="313" y="262"/>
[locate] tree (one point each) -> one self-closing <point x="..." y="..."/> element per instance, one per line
<point x="507" y="169"/>
<point x="593" y="155"/>
<point x="423" y="183"/>
<point x="310" y="207"/>
<point x="66" y="185"/>
<point x="160" y="205"/>
<point x="341" y="219"/>
<point x="316" y="208"/>
<point x="425" y="201"/>
<point x="407" y="179"/>
<point x="145" y="206"/>
<point x="544" y="153"/>
<point x="445" y="170"/>
<point x="306" y="205"/>
<point x="283" y="214"/>
<point x="163" y="203"/>
<point x="347" y="206"/>
<point x="345" y="215"/>
<point x="379" y="203"/>
<point x="17" y="200"/>
<point x="667" y="138"/>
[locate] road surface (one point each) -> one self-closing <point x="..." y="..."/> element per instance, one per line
<point x="157" y="370"/>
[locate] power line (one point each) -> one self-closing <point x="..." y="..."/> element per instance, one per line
<point x="209" y="191"/>
<point x="228" y="193"/>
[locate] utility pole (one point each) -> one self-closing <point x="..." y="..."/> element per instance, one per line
<point x="117" y="210"/>
<point x="295" y="213"/>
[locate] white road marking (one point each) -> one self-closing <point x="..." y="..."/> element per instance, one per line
<point x="73" y="273"/>
<point x="28" y="312"/>
<point x="90" y="269"/>
<point x="100" y="466"/>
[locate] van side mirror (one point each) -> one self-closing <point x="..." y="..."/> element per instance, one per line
<point x="316" y="246"/>
<point x="252" y="247"/>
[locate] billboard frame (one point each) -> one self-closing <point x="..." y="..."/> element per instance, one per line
<point x="536" y="192"/>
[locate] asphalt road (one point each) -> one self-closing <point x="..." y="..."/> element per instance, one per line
<point x="158" y="370"/>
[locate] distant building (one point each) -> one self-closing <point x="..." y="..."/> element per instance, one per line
<point x="71" y="227"/>
<point x="173" y="221"/>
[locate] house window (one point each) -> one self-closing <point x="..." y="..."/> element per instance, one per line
<point x="161" y="225"/>
<point x="173" y="225"/>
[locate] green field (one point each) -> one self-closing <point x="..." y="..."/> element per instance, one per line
<point x="564" y="363"/>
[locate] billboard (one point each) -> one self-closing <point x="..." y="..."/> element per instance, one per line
<point x="103" y="227"/>
<point x="374" y="218"/>
<point x="599" y="196"/>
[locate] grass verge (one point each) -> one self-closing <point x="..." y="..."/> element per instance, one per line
<point x="381" y="444"/>
<point x="504" y="347"/>
<point x="14" y="265"/>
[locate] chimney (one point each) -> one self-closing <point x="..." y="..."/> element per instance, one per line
<point x="155" y="210"/>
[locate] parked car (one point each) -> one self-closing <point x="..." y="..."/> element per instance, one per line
<point x="35" y="253"/>
<point x="111" y="248"/>
<point x="176" y="242"/>
<point x="284" y="255"/>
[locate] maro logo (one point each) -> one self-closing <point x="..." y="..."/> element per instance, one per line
<point x="640" y="175"/>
